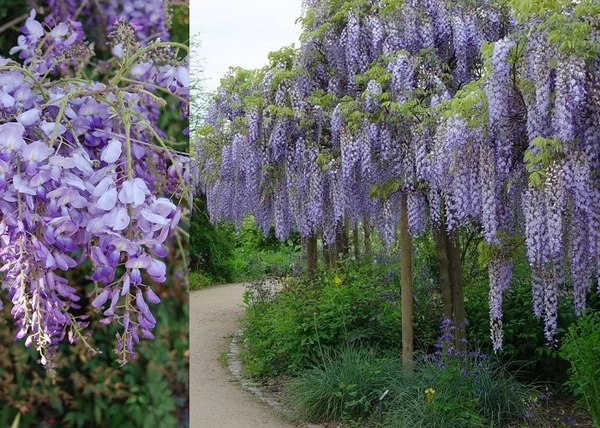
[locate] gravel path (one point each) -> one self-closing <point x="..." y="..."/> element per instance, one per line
<point x="216" y="399"/>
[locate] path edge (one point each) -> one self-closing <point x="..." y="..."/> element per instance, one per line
<point x="234" y="364"/>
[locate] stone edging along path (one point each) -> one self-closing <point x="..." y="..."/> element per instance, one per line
<point x="235" y="367"/>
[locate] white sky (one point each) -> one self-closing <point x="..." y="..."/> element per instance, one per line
<point x="241" y="32"/>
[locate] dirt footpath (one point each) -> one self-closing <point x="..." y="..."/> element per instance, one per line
<point x="216" y="399"/>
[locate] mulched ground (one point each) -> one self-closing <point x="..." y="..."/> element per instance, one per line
<point x="562" y="412"/>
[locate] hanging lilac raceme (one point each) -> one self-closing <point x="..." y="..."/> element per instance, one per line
<point x="76" y="188"/>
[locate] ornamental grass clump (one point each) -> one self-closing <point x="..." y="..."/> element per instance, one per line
<point x="346" y="384"/>
<point x="455" y="388"/>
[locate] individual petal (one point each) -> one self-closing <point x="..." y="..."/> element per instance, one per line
<point x="117" y="50"/>
<point x="73" y="198"/>
<point x="6" y="100"/>
<point x="60" y="30"/>
<point x="33" y="27"/>
<point x="103" y="186"/>
<point x="98" y="257"/>
<point x="122" y="219"/>
<point x="140" y="69"/>
<point x="151" y="296"/>
<point x="140" y="303"/>
<point x="114" y="258"/>
<point x="113" y="303"/>
<point x="126" y="245"/>
<point x="37" y="152"/>
<point x="126" y="321"/>
<point x="83" y="164"/>
<point x="146" y="333"/>
<point x="143" y="262"/>
<point x="164" y="207"/>
<point x="112" y="151"/>
<point x="50" y="127"/>
<point x="22" y="186"/>
<point x="96" y="225"/>
<point x="136" y="276"/>
<point x="108" y="200"/>
<point x="50" y="261"/>
<point x="159" y="251"/>
<point x="11" y="135"/>
<point x="39" y="179"/>
<point x="126" y="194"/>
<point x="101" y="298"/>
<point x="29" y="117"/>
<point x="154" y="218"/>
<point x="126" y="284"/>
<point x="156" y="268"/>
<point x="63" y="261"/>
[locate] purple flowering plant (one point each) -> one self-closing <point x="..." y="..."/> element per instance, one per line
<point x="86" y="175"/>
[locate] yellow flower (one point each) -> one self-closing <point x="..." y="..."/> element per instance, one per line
<point x="337" y="281"/>
<point x="429" y="392"/>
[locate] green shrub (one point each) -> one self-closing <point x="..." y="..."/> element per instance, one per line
<point x="211" y="246"/>
<point x="346" y="384"/>
<point x="581" y="348"/>
<point x="288" y="333"/>
<point x="199" y="281"/>
<point x="220" y="255"/>
<point x="252" y="264"/>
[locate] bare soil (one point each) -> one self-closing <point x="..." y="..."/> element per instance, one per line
<point x="216" y="399"/>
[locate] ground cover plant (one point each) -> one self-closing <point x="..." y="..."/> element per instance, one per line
<point x="93" y="117"/>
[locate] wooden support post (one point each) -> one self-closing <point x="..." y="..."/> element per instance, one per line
<point x="406" y="287"/>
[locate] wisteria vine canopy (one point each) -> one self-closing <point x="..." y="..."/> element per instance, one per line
<point x="481" y="113"/>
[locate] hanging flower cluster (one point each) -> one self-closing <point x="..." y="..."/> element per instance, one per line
<point x="82" y="180"/>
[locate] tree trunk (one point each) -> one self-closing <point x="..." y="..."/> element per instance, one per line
<point x="304" y="247"/>
<point x="324" y="248"/>
<point x="326" y="255"/>
<point x="441" y="247"/>
<point x="367" y="240"/>
<point x="406" y="288"/>
<point x="345" y="237"/>
<point x="458" y="299"/>
<point x="339" y="245"/>
<point x="449" y="259"/>
<point x="312" y="256"/>
<point x="356" y="242"/>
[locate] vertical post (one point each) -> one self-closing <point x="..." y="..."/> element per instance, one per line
<point x="311" y="255"/>
<point x="406" y="287"/>
<point x="441" y="247"/>
<point x="356" y="242"/>
<point x="345" y="237"/>
<point x="458" y="299"/>
<point x="367" y="240"/>
<point x="326" y="255"/>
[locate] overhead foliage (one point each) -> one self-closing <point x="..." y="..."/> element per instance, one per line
<point x="481" y="113"/>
